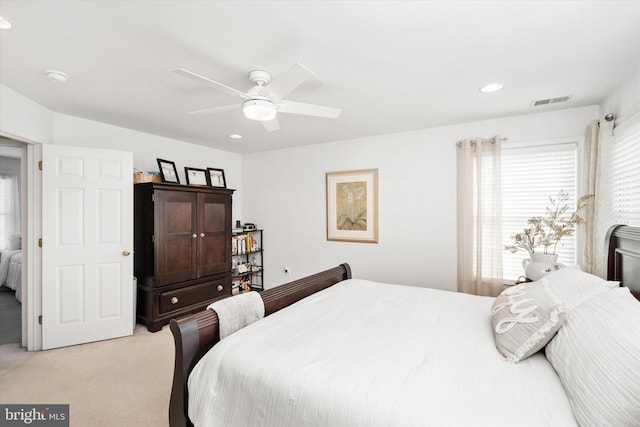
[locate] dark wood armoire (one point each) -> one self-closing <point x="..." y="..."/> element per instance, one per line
<point x="182" y="244"/>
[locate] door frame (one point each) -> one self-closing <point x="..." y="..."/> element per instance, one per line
<point x="31" y="220"/>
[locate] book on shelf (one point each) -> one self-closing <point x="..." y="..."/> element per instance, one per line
<point x="244" y="244"/>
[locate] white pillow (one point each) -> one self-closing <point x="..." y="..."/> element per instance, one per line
<point x="573" y="286"/>
<point x="597" y="356"/>
<point x="15" y="242"/>
<point x="525" y="317"/>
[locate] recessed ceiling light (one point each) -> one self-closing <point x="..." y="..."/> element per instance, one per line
<point x="57" y="76"/>
<point x="235" y="136"/>
<point x="4" y="24"/>
<point x="491" y="87"/>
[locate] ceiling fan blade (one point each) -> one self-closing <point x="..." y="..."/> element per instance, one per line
<point x="271" y="125"/>
<point x="193" y="76"/>
<point x="215" y="109"/>
<point x="293" y="107"/>
<point x="283" y="84"/>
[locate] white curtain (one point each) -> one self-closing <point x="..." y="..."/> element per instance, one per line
<point x="479" y="216"/>
<point x="9" y="207"/>
<point x="598" y="214"/>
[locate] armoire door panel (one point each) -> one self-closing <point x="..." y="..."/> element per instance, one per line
<point x="213" y="254"/>
<point x="179" y="216"/>
<point x="214" y="238"/>
<point x="213" y="218"/>
<point x="175" y="242"/>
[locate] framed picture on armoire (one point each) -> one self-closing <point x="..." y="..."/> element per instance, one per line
<point x="168" y="171"/>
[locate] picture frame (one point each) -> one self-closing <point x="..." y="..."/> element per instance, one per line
<point x="168" y="171"/>
<point x="196" y="176"/>
<point x="216" y="178"/>
<point x="352" y="206"/>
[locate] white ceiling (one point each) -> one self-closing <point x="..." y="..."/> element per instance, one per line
<point x="391" y="66"/>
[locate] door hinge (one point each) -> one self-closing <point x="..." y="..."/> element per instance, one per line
<point x="40" y="242"/>
<point x="40" y="319"/>
<point x="40" y="165"/>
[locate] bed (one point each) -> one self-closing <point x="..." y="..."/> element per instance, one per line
<point x="399" y="355"/>
<point x="11" y="271"/>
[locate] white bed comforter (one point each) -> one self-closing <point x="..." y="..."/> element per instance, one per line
<point x="11" y="270"/>
<point x="366" y="354"/>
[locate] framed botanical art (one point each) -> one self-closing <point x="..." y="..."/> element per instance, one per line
<point x="196" y="176"/>
<point x="352" y="206"/>
<point x="216" y="178"/>
<point x="168" y="171"/>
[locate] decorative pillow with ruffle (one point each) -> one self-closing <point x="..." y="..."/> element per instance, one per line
<point x="525" y="318"/>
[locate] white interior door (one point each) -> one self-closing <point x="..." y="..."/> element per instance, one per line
<point x="87" y="240"/>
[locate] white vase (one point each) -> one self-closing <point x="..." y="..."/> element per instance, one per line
<point x="539" y="265"/>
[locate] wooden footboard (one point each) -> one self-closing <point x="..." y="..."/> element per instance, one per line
<point x="194" y="335"/>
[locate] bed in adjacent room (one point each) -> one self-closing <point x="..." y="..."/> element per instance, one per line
<point x="337" y="351"/>
<point x="11" y="267"/>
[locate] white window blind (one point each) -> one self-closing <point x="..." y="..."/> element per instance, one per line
<point x="530" y="174"/>
<point x="625" y="173"/>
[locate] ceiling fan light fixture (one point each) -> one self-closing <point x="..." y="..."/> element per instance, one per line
<point x="261" y="110"/>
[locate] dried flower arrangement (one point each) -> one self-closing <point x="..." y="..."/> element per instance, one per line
<point x="547" y="231"/>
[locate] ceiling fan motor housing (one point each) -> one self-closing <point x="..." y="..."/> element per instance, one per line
<point x="260" y="77"/>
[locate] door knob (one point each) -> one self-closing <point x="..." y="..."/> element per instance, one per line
<point x="194" y="235"/>
<point x="201" y="234"/>
<point x="126" y="253"/>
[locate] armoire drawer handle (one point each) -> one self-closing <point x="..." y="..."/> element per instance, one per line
<point x="194" y="235"/>
<point x="220" y="287"/>
<point x="174" y="300"/>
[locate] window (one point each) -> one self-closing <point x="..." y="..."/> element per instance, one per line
<point x="625" y="173"/>
<point x="9" y="206"/>
<point x="530" y="174"/>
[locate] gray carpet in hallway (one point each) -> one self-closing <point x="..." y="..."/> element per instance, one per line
<point x="10" y="317"/>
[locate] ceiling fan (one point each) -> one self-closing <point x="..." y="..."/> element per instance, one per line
<point x="266" y="98"/>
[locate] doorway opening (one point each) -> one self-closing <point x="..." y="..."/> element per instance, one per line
<point x="11" y="214"/>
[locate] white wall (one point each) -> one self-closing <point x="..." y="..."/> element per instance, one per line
<point x="24" y="119"/>
<point x="624" y="100"/>
<point x="146" y="148"/>
<point x="284" y="193"/>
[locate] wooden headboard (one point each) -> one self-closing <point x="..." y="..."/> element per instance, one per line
<point x="622" y="249"/>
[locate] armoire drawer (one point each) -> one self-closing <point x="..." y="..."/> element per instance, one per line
<point x="184" y="297"/>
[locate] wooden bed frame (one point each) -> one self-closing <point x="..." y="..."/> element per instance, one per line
<point x="196" y="334"/>
<point x="622" y="252"/>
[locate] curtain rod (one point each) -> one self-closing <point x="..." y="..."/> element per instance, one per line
<point x="610" y="117"/>
<point x="462" y="141"/>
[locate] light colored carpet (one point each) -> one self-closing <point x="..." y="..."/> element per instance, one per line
<point x="120" y="382"/>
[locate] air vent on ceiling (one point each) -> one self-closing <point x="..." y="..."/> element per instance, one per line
<point x="549" y="101"/>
